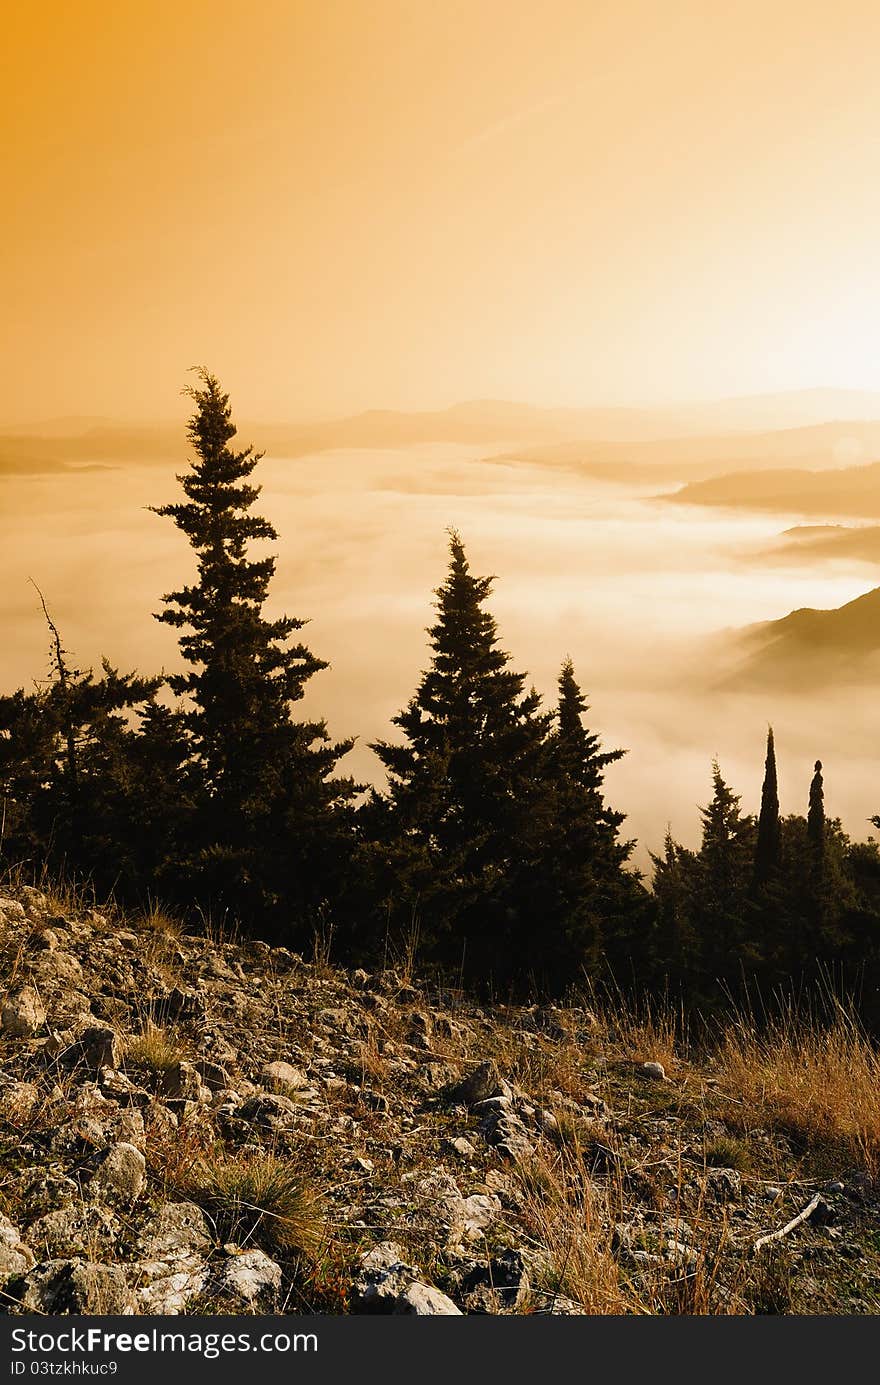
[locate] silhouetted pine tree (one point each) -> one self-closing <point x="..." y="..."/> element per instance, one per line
<point x="269" y="831"/>
<point x="767" y="846"/>
<point x="721" y="880"/>
<point x="590" y="905"/>
<point x="676" y="947"/>
<point x="469" y="803"/>
<point x="577" y="750"/>
<point x="65" y="774"/>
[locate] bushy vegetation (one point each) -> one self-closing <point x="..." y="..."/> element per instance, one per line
<point x="492" y="845"/>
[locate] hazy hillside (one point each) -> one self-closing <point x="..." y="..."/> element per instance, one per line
<point x="846" y="491"/>
<point x="703" y="457"/>
<point x="810" y="648"/>
<point x="628" y="444"/>
<point x="826" y="542"/>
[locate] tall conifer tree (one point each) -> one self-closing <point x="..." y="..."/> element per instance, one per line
<point x="468" y="784"/>
<point x="767" y="847"/>
<point x="268" y="798"/>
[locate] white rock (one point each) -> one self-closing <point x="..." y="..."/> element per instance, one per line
<point x="422" y="1301"/>
<point x="656" y="1071"/>
<point x="23" y="1013"/>
<point x="252" y="1277"/>
<point x="284" y="1077"/>
<point x="15" y="1257"/>
<point x="121" y="1174"/>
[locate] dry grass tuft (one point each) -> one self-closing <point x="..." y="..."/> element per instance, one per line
<point x="155" y="919"/>
<point x="370" y="1062"/>
<point x="258" y="1198"/>
<point x="155" y="1048"/>
<point x="563" y="1212"/>
<point x="821" y="1086"/>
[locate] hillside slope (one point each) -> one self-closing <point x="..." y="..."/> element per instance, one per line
<point x="811" y="648"/>
<point x="188" y="1124"/>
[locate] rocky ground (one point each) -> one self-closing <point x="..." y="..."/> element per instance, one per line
<point x="193" y="1125"/>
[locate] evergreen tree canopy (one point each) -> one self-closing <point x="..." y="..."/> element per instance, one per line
<point x="473" y="737"/>
<point x="816" y="814"/>
<point x="767" y="847"/>
<point x="468" y="784"/>
<point x="577" y="749"/>
<point x="267" y="800"/>
<point x="64" y="770"/>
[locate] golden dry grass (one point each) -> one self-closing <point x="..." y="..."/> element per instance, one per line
<point x="564" y="1213"/>
<point x="258" y="1198"/>
<point x="156" y="1048"/>
<point x="819" y="1084"/>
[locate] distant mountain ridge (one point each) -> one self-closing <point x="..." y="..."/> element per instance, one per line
<point x="810" y="648"/>
<point x="822" y="542"/>
<point x="692" y="441"/>
<point x="853" y="490"/>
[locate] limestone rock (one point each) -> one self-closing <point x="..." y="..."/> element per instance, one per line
<point x="250" y="1277"/>
<point x="182" y="1082"/>
<point x="121" y="1175"/>
<point x="99" y="1046"/>
<point x="24" y="1014"/>
<point x="15" y="1256"/>
<point x="655" y="1071"/>
<point x="77" y="1286"/>
<point x="177" y="1229"/>
<point x="382" y="1277"/>
<point x="423" y="1301"/>
<point x="484" y="1082"/>
<point x="284" y="1078"/>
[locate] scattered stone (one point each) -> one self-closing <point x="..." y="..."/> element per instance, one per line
<point x="284" y="1078"/>
<point x="462" y="1147"/>
<point x="11" y="912"/>
<point x="183" y="1082"/>
<point x="15" y="1256"/>
<point x="383" y="1276"/>
<point x="423" y="1301"/>
<point x="121" y="1175"/>
<point x="177" y="1229"/>
<point x="99" y="1047"/>
<point x="484" y="1082"/>
<point x="502" y="1285"/>
<point x="251" y="1278"/>
<point x="655" y="1071"/>
<point x="23" y="1014"/>
<point x="723" y="1185"/>
<point x="77" y="1286"/>
<point x="77" y="1229"/>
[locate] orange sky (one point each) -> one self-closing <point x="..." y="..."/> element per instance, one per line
<point x="347" y="203"/>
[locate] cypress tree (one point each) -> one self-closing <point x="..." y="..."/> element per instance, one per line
<point x="767" y="847"/>
<point x="267" y="801"/>
<point x="816" y="814"/>
<point x="816" y="902"/>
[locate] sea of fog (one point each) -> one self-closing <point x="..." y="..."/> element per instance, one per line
<point x="633" y="588"/>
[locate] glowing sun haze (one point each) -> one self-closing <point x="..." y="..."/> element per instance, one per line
<point x="340" y="205"/>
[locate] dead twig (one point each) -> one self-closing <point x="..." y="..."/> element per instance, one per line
<point x="790" y="1226"/>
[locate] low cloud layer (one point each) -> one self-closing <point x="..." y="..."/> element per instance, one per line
<point x="635" y="590"/>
